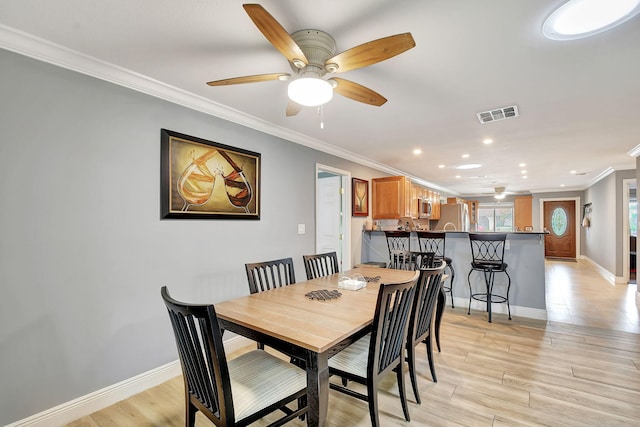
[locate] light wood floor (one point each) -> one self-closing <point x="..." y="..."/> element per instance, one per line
<point x="580" y="368"/>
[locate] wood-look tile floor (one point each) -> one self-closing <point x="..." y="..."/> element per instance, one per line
<point x="579" y="368"/>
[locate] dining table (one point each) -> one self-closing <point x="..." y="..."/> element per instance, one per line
<point x="311" y="330"/>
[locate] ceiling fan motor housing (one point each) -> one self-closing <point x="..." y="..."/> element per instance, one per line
<point x="317" y="46"/>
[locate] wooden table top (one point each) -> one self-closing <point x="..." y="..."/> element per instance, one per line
<point x="286" y="313"/>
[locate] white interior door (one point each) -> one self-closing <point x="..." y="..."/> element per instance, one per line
<point x="332" y="213"/>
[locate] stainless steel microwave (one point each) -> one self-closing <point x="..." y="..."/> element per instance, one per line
<point x="424" y="208"/>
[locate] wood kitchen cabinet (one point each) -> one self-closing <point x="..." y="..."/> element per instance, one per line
<point x="391" y="197"/>
<point x="523" y="212"/>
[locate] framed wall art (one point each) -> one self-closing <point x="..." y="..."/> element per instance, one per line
<point x="360" y="197"/>
<point x="202" y="179"/>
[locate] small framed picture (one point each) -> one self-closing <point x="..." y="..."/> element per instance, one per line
<point x="360" y="197"/>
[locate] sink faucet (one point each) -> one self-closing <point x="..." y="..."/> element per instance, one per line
<point x="449" y="224"/>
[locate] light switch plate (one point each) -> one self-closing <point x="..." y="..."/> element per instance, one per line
<point x="301" y="229"/>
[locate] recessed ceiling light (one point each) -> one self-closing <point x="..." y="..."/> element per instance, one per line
<point x="583" y="18"/>
<point x="458" y="176"/>
<point x="562" y="185"/>
<point x="441" y="166"/>
<point x="469" y="166"/>
<point x="417" y="151"/>
<point x="522" y="165"/>
<point x="524" y="177"/>
<point x="523" y="171"/>
<point x="487" y="141"/>
<point x="465" y="156"/>
<point x="573" y="172"/>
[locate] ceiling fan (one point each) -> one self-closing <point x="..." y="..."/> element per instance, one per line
<point x="311" y="55"/>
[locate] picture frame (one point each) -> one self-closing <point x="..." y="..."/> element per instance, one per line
<point x="201" y="179"/>
<point x="359" y="197"/>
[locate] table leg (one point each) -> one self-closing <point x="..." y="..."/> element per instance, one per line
<point x="317" y="388"/>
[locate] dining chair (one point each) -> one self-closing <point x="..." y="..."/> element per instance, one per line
<point x="487" y="253"/>
<point x="420" y="322"/>
<point x="367" y="360"/>
<point x="234" y="392"/>
<point x="435" y="241"/>
<point x="267" y="275"/>
<point x="263" y="276"/>
<point x="320" y="265"/>
<point x="411" y="260"/>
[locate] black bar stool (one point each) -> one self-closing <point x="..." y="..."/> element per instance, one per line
<point x="397" y="241"/>
<point x="487" y="251"/>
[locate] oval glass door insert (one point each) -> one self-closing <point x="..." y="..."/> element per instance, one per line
<point x="559" y="221"/>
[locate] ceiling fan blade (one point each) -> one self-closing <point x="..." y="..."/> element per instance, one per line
<point x="276" y="34"/>
<point x="249" y="79"/>
<point x="358" y="92"/>
<point x="370" y="53"/>
<point x="293" y="108"/>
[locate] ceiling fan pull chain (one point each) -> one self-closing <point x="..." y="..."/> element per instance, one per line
<point x="321" y="113"/>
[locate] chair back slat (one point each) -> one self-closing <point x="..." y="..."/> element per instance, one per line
<point x="427" y="290"/>
<point x="263" y="276"/>
<point x="320" y="265"/>
<point x="201" y="352"/>
<point x="389" y="328"/>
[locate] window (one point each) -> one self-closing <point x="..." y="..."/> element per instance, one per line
<point x="495" y="218"/>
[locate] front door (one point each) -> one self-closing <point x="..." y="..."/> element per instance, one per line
<point x="560" y="221"/>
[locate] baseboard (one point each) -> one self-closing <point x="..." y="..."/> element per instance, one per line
<point x="516" y="310"/>
<point x="92" y="402"/>
<point x="603" y="271"/>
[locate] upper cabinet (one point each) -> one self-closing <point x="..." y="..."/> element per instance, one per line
<point x="391" y="197"/>
<point x="394" y="197"/>
<point x="523" y="212"/>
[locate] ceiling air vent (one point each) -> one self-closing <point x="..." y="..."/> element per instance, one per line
<point x="498" y="114"/>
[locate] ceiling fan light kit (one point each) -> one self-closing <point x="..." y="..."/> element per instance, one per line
<point x="311" y="55"/>
<point x="310" y="91"/>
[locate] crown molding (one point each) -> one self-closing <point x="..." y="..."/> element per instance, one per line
<point x="43" y="50"/>
<point x="635" y="151"/>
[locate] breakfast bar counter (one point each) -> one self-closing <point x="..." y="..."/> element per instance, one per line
<point x="524" y="253"/>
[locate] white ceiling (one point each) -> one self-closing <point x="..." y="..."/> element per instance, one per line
<point x="579" y="101"/>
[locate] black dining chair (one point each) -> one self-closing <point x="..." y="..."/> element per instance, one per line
<point x="411" y="260"/>
<point x="320" y="265"/>
<point x="370" y="358"/>
<point x="263" y="276"/>
<point x="420" y="323"/>
<point x="487" y="253"/>
<point x="435" y="241"/>
<point x="233" y="392"/>
<point x="267" y="275"/>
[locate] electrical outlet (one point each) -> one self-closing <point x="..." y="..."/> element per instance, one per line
<point x="301" y="229"/>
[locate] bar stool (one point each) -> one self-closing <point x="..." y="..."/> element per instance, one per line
<point x="487" y="252"/>
<point x="397" y="241"/>
<point x="434" y="241"/>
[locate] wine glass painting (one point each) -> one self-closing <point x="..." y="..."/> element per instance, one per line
<point x="360" y="196"/>
<point x="208" y="180"/>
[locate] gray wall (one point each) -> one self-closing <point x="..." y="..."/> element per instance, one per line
<point x="83" y="251"/>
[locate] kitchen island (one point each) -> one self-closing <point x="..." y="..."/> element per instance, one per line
<point x="524" y="253"/>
